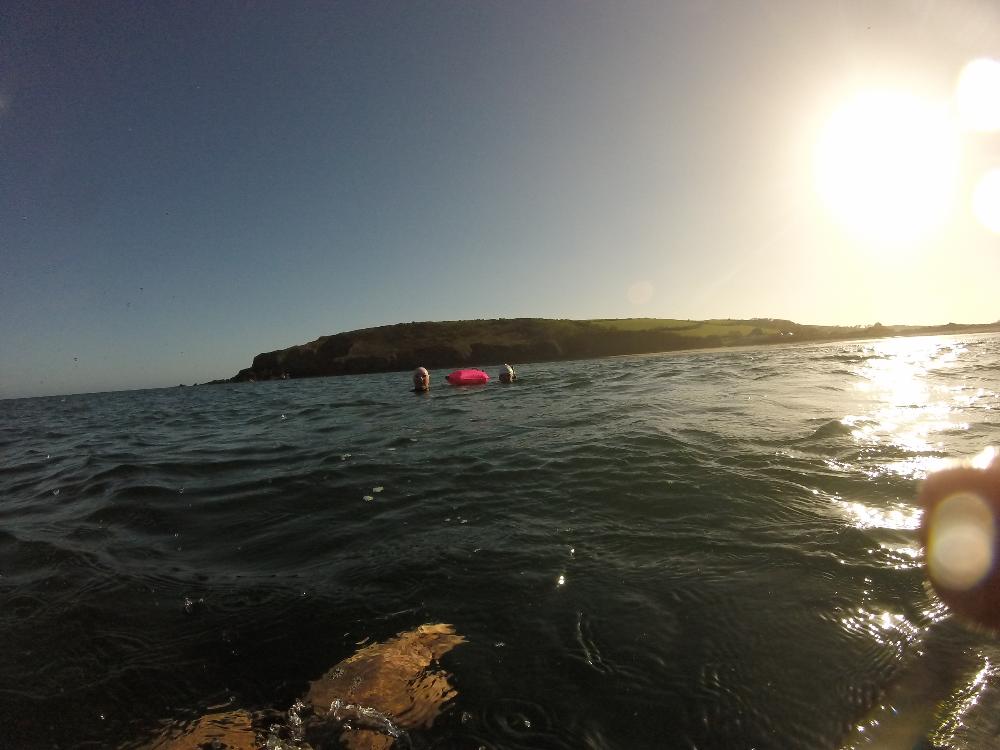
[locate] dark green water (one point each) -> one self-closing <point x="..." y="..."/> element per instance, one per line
<point x="705" y="550"/>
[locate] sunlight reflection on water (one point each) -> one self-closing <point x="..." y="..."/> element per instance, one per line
<point x="915" y="398"/>
<point x="899" y="516"/>
<point x="884" y="627"/>
<point x="901" y="557"/>
<point x="895" y="374"/>
<point x="967" y="698"/>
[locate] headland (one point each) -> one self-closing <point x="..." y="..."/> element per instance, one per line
<point x="459" y="343"/>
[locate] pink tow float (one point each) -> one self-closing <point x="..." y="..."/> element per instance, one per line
<point x="468" y="377"/>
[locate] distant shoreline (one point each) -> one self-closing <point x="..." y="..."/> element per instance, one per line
<point x="850" y="334"/>
<point x="444" y="344"/>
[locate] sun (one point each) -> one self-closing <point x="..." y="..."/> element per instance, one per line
<point x="886" y="167"/>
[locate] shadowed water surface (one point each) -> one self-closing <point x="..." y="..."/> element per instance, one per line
<point x="708" y="550"/>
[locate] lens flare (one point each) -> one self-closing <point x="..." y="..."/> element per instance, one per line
<point x="960" y="546"/>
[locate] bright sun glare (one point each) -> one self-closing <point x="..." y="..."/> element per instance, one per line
<point x="986" y="201"/>
<point x="978" y="95"/>
<point x="886" y="166"/>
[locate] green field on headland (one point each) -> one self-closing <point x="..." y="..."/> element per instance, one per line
<point x="461" y="343"/>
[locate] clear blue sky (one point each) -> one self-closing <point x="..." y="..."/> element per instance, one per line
<point x="184" y="185"/>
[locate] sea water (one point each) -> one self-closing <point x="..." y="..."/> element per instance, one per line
<point x="711" y="549"/>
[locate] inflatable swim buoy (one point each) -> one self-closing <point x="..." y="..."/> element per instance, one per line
<point x="467" y="377"/>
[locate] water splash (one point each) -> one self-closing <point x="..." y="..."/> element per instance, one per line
<point x="357" y="716"/>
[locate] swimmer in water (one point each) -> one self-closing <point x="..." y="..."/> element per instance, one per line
<point x="507" y="374"/>
<point x="421" y="380"/>
<point x="369" y="701"/>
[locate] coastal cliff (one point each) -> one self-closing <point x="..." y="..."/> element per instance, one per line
<point x="486" y="342"/>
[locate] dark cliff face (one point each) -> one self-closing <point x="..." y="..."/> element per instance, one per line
<point x="456" y="344"/>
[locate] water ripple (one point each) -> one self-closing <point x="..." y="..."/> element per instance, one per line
<point x="710" y="549"/>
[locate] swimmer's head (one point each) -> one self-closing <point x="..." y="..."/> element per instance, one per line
<point x="507" y="374"/>
<point x="421" y="379"/>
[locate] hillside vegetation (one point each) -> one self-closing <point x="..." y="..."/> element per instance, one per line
<point x="461" y="343"/>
